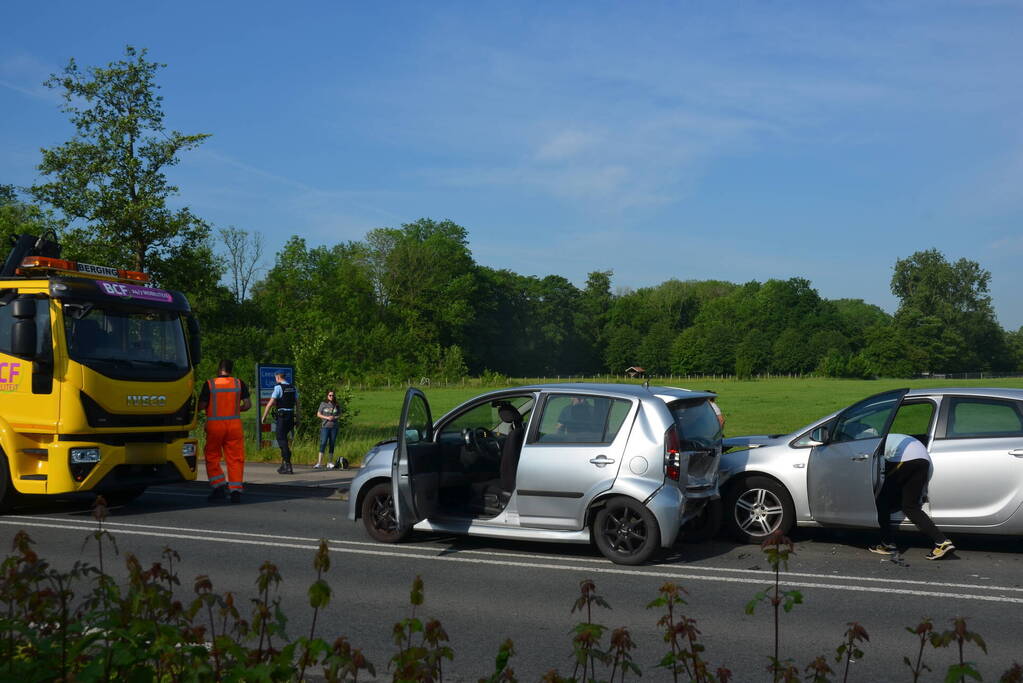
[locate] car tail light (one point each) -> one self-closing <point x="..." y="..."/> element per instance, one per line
<point x="672" y="455"/>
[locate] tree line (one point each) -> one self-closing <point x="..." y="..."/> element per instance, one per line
<point x="410" y="301"/>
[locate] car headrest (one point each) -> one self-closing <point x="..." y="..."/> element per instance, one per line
<point x="508" y="413"/>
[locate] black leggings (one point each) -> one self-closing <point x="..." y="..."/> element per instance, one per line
<point x="903" y="487"/>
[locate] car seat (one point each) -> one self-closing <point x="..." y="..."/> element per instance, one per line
<point x="493" y="495"/>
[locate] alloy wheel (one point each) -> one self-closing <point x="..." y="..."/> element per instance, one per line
<point x="758" y="512"/>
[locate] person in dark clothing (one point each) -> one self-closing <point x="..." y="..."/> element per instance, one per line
<point x="285" y="399"/>
<point x="907" y="469"/>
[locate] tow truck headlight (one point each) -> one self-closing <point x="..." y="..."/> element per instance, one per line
<point x="81" y="461"/>
<point x="188" y="452"/>
<point x="84" y="456"/>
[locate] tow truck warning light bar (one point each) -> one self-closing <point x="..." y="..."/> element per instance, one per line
<point x="48" y="263"/>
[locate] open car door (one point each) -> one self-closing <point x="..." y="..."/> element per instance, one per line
<point x="846" y="469"/>
<point x="415" y="467"/>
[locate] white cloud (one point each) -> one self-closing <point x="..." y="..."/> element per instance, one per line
<point x="25" y="74"/>
<point x="568" y="144"/>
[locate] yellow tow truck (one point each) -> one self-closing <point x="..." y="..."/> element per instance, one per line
<point x="97" y="377"/>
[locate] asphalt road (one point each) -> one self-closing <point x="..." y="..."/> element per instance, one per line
<point x="487" y="591"/>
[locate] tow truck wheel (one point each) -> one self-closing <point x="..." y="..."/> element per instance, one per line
<point x="124" y="496"/>
<point x="7" y="491"/>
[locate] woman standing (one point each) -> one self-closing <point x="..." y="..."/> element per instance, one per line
<point x="328" y="413"/>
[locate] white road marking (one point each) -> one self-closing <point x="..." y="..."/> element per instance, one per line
<point x="421" y="553"/>
<point x="90" y="524"/>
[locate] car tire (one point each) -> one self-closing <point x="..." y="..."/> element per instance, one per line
<point x="626" y="532"/>
<point x="757" y="507"/>
<point x="705" y="525"/>
<point x="378" y="514"/>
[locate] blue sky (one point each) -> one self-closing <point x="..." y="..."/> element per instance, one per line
<point x="691" y="140"/>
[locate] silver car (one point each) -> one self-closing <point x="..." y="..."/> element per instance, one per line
<point x="621" y="465"/>
<point x="828" y="473"/>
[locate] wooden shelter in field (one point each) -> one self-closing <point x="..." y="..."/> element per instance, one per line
<point x="635" y="371"/>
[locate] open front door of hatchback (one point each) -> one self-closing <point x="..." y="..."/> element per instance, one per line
<point x="845" y="470"/>
<point x="415" y="467"/>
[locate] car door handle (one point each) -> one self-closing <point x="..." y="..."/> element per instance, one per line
<point x="602" y="460"/>
<point x="860" y="457"/>
<point x="1018" y="452"/>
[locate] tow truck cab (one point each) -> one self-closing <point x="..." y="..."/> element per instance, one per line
<point x="97" y="377"/>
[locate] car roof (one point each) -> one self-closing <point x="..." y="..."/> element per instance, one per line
<point x="991" y="392"/>
<point x="666" y="394"/>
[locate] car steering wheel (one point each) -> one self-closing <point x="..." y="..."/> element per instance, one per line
<point x="475" y="438"/>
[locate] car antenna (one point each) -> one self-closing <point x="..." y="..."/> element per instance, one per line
<point x="646" y="384"/>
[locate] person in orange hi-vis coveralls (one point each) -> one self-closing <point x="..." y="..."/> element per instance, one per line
<point x="225" y="398"/>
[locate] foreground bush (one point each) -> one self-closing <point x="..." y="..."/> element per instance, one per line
<point x="81" y="625"/>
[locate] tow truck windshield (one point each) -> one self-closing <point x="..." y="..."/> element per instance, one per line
<point x="126" y="343"/>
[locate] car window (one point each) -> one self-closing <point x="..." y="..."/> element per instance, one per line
<point x="581" y="419"/>
<point x="484" y="415"/>
<point x="914" y="419"/>
<point x="977" y="417"/>
<point x="804" y="441"/>
<point x="866" y="419"/>
<point x="697" y="423"/>
<point x="417" y="425"/>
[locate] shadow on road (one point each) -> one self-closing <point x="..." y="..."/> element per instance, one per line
<point x="158" y="498"/>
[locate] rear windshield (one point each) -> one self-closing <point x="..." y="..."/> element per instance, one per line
<point x="697" y="424"/>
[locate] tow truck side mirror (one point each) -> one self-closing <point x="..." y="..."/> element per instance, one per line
<point x="23" y="338"/>
<point x="194" y="340"/>
<point x="23" y="331"/>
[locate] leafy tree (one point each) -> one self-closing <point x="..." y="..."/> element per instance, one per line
<point x="19" y="217"/>
<point x="885" y="352"/>
<point x="752" y="355"/>
<point x="946" y="314"/>
<point x="1014" y="341"/>
<point x="500" y="339"/>
<point x="322" y="298"/>
<point x="428" y="281"/>
<point x="622" y="346"/>
<point x="792" y="352"/>
<point x="109" y="180"/>
<point x="595" y="303"/>
<point x="927" y="282"/>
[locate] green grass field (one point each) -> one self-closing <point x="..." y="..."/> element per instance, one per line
<point x="766" y="406"/>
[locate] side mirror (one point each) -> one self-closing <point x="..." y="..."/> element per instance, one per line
<point x="23" y="308"/>
<point x="194" y="340"/>
<point x="819" y="436"/>
<point x="412" y="436"/>
<point x="23" y="338"/>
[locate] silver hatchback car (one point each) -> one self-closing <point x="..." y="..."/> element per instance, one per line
<point x="621" y="465"/>
<point x="828" y="473"/>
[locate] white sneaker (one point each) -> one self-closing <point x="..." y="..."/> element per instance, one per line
<point x="317" y="467"/>
<point x="330" y="465"/>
